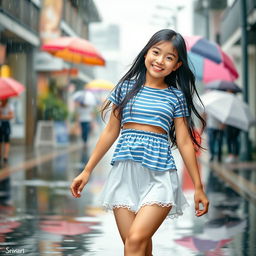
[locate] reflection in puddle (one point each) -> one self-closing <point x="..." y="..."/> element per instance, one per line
<point x="39" y="215"/>
<point x="227" y="227"/>
<point x="49" y="234"/>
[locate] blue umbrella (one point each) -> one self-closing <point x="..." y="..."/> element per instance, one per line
<point x="196" y="63"/>
<point x="207" y="49"/>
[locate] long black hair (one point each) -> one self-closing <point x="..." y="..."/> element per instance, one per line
<point x="183" y="79"/>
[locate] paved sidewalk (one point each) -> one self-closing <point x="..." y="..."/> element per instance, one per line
<point x="43" y="212"/>
<point x="23" y="158"/>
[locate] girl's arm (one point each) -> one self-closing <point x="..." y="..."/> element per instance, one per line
<point x="9" y="116"/>
<point x="187" y="152"/>
<point x="106" y="140"/>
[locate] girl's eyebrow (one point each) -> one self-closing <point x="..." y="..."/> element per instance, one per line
<point x="168" y="52"/>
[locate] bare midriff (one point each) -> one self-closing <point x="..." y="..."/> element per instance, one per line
<point x="144" y="127"/>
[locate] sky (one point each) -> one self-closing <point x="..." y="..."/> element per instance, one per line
<point x="140" y="19"/>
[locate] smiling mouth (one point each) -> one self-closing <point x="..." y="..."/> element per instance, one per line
<point x="157" y="68"/>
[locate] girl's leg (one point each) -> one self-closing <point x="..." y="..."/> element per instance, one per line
<point x="6" y="150"/>
<point x="124" y="219"/>
<point x="145" y="224"/>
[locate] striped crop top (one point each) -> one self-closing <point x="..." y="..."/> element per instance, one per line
<point x="151" y="106"/>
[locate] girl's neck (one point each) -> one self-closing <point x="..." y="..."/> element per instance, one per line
<point x="154" y="82"/>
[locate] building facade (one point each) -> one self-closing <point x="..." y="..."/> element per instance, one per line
<point x="20" y="40"/>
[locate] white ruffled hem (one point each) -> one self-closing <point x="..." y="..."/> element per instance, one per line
<point x="171" y="215"/>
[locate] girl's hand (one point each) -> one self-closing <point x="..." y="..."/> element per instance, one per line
<point x="200" y="197"/>
<point x="78" y="184"/>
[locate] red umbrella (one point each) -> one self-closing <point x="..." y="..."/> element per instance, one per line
<point x="10" y="88"/>
<point x="75" y="50"/>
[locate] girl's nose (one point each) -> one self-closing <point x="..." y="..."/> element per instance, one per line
<point x="160" y="60"/>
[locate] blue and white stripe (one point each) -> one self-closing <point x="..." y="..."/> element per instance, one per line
<point x="151" y="149"/>
<point x="151" y="106"/>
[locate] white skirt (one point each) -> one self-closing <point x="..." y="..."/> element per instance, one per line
<point x="131" y="185"/>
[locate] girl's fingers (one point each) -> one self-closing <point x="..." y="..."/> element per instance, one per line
<point x="80" y="188"/>
<point x="197" y="206"/>
<point x="204" y="210"/>
<point x="206" y="206"/>
<point x="74" y="188"/>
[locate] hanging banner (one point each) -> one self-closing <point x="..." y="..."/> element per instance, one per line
<point x="50" y="17"/>
<point x="2" y="54"/>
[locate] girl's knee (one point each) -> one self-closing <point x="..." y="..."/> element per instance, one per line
<point x="136" y="241"/>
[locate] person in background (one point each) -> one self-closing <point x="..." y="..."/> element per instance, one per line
<point x="6" y="114"/>
<point x="215" y="132"/>
<point x="232" y="138"/>
<point x="85" y="114"/>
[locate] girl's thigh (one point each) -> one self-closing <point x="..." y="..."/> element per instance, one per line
<point x="148" y="220"/>
<point x="124" y="219"/>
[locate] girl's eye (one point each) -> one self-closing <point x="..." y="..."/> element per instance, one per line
<point x="169" y="58"/>
<point x="155" y="52"/>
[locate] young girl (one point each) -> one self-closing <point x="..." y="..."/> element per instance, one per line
<point x="151" y="104"/>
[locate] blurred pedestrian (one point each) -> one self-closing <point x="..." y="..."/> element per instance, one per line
<point x="233" y="143"/>
<point x="143" y="186"/>
<point x="232" y="139"/>
<point x="215" y="133"/>
<point x="6" y="114"/>
<point x="85" y="113"/>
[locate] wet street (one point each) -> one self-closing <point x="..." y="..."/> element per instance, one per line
<point x="40" y="217"/>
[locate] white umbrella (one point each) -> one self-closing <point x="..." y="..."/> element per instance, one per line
<point x="228" y="109"/>
<point x="84" y="97"/>
<point x="79" y="96"/>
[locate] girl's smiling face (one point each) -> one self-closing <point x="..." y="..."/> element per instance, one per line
<point x="161" y="59"/>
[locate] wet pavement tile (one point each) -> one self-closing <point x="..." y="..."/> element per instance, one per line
<point x="38" y="216"/>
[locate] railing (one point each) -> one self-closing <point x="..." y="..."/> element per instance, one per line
<point x="24" y="12"/>
<point x="73" y="19"/>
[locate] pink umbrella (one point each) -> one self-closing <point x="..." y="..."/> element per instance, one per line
<point x="209" y="61"/>
<point x="10" y="88"/>
<point x="207" y="71"/>
<point x="214" y="71"/>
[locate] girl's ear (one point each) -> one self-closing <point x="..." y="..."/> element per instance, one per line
<point x="177" y="65"/>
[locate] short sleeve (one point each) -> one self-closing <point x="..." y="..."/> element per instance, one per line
<point x="181" y="108"/>
<point x="116" y="95"/>
<point x="119" y="92"/>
